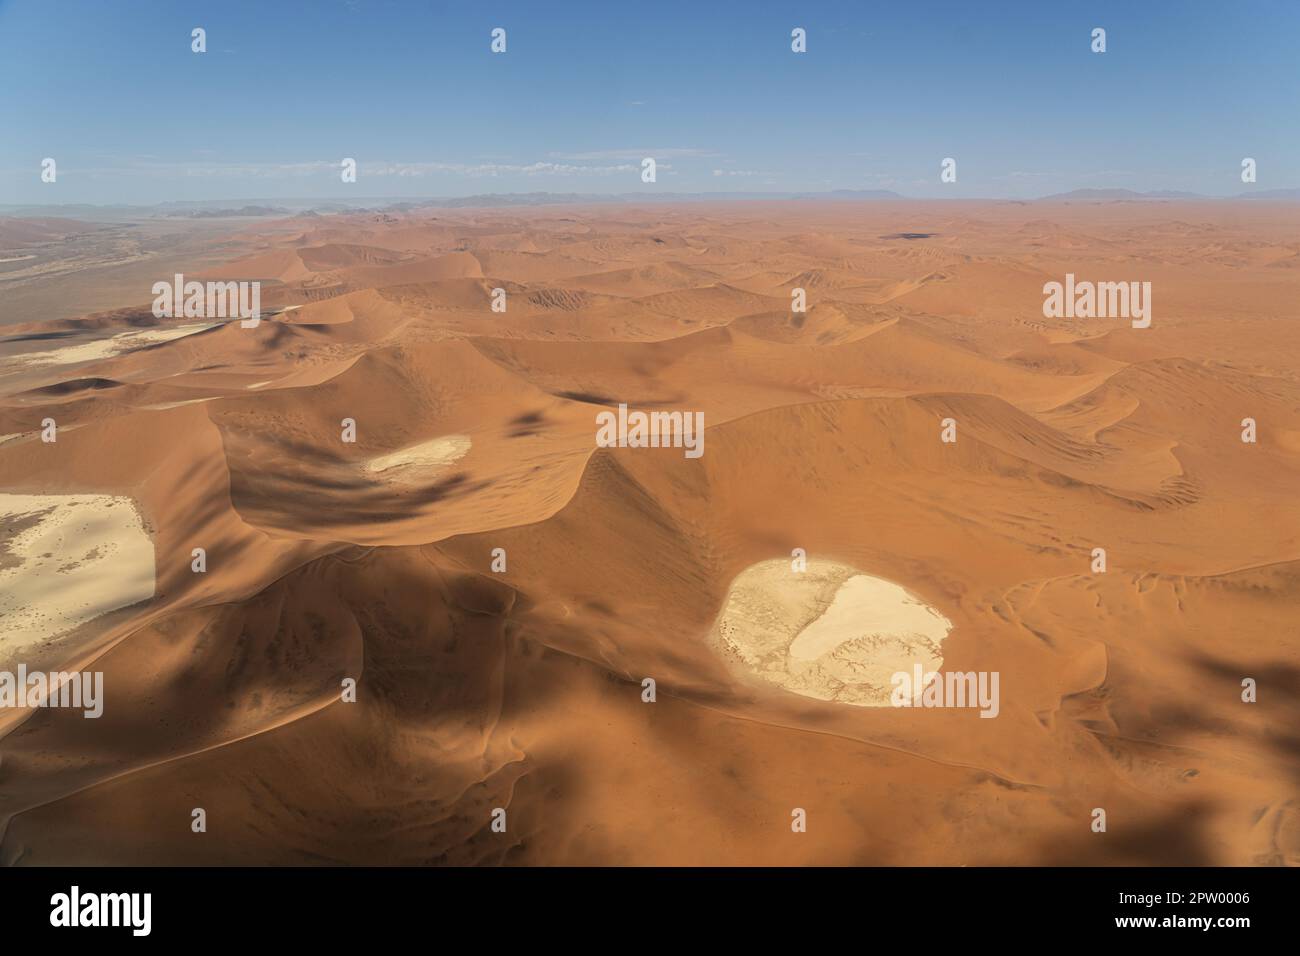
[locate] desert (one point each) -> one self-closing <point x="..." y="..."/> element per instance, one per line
<point x="518" y="684"/>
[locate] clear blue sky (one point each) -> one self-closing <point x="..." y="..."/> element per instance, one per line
<point x="712" y="90"/>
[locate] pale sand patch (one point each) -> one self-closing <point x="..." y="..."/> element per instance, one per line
<point x="830" y="632"/>
<point x="109" y="347"/>
<point x="259" y="384"/>
<point x="19" y="436"/>
<point x="422" y="460"/>
<point x="164" y="406"/>
<point x="65" y="560"/>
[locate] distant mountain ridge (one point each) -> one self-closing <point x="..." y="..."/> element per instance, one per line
<point x="281" y="208"/>
<point x="1121" y="195"/>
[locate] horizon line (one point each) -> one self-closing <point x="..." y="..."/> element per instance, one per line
<point x="546" y="197"/>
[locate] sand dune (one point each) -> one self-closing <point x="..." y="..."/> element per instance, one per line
<point x="501" y="588"/>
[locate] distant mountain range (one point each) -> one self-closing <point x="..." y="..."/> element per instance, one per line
<point x="280" y="208"/>
<point x="551" y="199"/>
<point x="227" y="213"/>
<point x="264" y="208"/>
<point x="1113" y="195"/>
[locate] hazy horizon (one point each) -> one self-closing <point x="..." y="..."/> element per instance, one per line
<point x="293" y="205"/>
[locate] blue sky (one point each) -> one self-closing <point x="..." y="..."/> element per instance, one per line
<point x="1012" y="91"/>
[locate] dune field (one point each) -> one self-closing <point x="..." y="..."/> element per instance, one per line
<point x="644" y="657"/>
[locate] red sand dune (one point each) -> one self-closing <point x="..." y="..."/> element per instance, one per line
<point x="522" y="689"/>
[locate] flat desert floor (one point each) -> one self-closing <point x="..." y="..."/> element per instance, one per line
<point x="639" y="656"/>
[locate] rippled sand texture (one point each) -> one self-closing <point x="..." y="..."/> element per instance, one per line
<point x="505" y="593"/>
